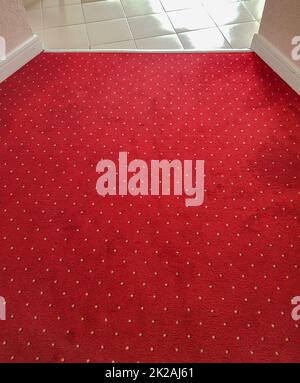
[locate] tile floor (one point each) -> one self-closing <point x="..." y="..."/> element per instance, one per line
<point x="145" y="24"/>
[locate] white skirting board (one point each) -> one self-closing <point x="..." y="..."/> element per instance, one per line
<point x="20" y="56"/>
<point x="281" y="64"/>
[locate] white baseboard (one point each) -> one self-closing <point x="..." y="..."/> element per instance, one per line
<point x="20" y="56"/>
<point x="281" y="64"/>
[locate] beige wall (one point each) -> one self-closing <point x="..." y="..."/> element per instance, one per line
<point x="13" y="23"/>
<point x="280" y="23"/>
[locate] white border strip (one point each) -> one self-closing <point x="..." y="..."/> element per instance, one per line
<point x="147" y="51"/>
<point x="280" y="63"/>
<point x="20" y="56"/>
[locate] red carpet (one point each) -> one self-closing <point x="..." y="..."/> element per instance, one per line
<point x="88" y="278"/>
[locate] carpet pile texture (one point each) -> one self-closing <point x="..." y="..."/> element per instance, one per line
<point x="144" y="278"/>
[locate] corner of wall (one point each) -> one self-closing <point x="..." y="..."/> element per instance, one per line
<point x="288" y="71"/>
<point x="19" y="44"/>
<point x="20" y="56"/>
<point x="273" y="43"/>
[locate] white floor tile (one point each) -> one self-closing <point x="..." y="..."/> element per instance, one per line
<point x="222" y="3"/>
<point x="62" y="16"/>
<point x="190" y="19"/>
<point x="59" y="3"/>
<point x="141" y="7"/>
<point x="103" y="10"/>
<point x="229" y="13"/>
<point x="150" y="26"/>
<point x="240" y="35"/>
<point x="160" y="42"/>
<point x="256" y="7"/>
<point x="69" y="37"/>
<point x="118" y="45"/>
<point x="110" y="31"/>
<point x="219" y="3"/>
<point x="173" y="5"/>
<point x="203" y="39"/>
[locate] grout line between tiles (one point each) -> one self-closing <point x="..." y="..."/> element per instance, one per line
<point x="164" y="51"/>
<point x="148" y="14"/>
<point x="122" y="5"/>
<point x="173" y="33"/>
